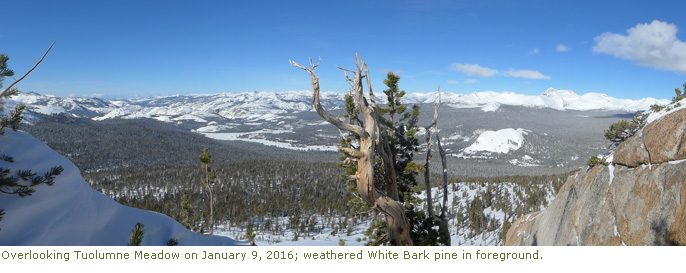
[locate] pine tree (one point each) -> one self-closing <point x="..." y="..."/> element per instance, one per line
<point x="208" y="182"/>
<point x="188" y="217"/>
<point x="249" y="233"/>
<point x="399" y="127"/>
<point x="680" y="94"/>
<point x="401" y="134"/>
<point x="136" y="235"/>
<point x="6" y="72"/>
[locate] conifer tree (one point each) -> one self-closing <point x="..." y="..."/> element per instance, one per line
<point x="208" y="182"/>
<point x="400" y="127"/>
<point x="137" y="234"/>
<point x="396" y="171"/>
<point x="400" y="131"/>
<point x="188" y="218"/>
<point x="6" y="72"/>
<point x="249" y="233"/>
<point x="680" y="94"/>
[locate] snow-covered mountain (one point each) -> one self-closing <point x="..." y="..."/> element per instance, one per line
<point x="257" y="106"/>
<point x="551" y="98"/>
<point x="72" y="213"/>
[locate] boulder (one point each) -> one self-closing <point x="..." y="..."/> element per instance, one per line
<point x="638" y="200"/>
<point x="632" y="152"/>
<point x="665" y="138"/>
<point x="660" y="141"/>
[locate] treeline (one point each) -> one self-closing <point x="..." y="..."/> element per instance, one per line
<point x="145" y="143"/>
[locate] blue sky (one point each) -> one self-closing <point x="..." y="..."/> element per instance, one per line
<point x="627" y="49"/>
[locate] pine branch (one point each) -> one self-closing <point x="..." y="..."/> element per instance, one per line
<point x="7" y="158"/>
<point x="9" y="88"/>
<point x="25" y="174"/>
<point x="172" y="242"/>
<point x="2" y="213"/>
<point x="137" y="234"/>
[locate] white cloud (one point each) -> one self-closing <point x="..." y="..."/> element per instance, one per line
<point x="397" y="72"/>
<point x="453" y="82"/>
<point x="654" y="45"/>
<point x="474" y="70"/>
<point x="527" y="74"/>
<point x="534" y="51"/>
<point x="562" y="48"/>
<point x="470" y="81"/>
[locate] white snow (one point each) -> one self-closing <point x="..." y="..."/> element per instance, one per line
<point x="677" y="161"/>
<point x="551" y="98"/>
<point x="658" y="115"/>
<point x="255" y="137"/>
<point x="525" y="161"/>
<point x="501" y="141"/>
<point x="611" y="167"/>
<point x="72" y="213"/>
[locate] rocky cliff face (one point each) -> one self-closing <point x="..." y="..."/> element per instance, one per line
<point x="640" y="199"/>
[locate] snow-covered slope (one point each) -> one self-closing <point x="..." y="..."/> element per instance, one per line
<point x="501" y="141"/>
<point x="72" y="213"/>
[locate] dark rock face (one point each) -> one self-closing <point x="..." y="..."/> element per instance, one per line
<point x="638" y="200"/>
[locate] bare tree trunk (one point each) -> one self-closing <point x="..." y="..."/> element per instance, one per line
<point x="443" y="228"/>
<point x="391" y="177"/>
<point x="209" y="190"/>
<point x="211" y="211"/>
<point x="399" y="226"/>
<point x="427" y="166"/>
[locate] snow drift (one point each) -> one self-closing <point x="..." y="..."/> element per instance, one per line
<point x="72" y="213"/>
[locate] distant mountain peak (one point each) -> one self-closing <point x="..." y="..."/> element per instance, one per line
<point x="550" y="92"/>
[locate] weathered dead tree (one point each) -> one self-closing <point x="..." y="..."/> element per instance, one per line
<point x="371" y="142"/>
<point x="427" y="165"/>
<point x="443" y="229"/>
